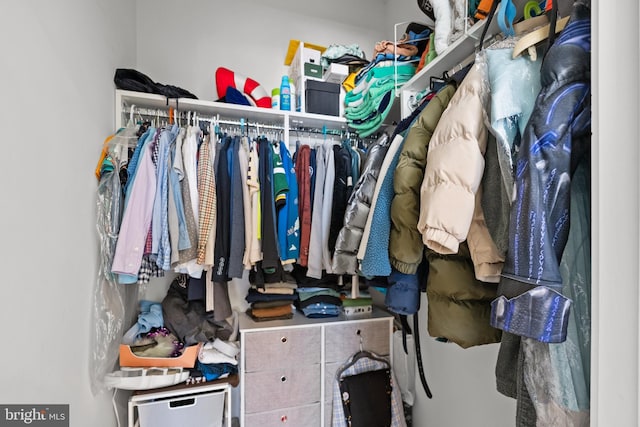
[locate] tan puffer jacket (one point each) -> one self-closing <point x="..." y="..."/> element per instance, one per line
<point x="450" y="188"/>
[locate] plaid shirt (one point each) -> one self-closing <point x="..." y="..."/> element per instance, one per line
<point x="365" y="364"/>
<point x="207" y="198"/>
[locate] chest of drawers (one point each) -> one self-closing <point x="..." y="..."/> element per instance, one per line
<point x="287" y="367"/>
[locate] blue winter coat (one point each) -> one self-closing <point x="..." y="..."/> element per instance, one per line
<point x="556" y="138"/>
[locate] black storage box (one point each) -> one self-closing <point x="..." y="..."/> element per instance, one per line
<point x="322" y="98"/>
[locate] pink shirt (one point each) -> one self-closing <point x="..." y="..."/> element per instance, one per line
<point x="137" y="218"/>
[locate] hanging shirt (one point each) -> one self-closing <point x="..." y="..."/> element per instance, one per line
<point x="271" y="258"/>
<point x="255" y="249"/>
<point x="315" y="239"/>
<point x="187" y="257"/>
<point x="178" y="231"/>
<point x="136" y="218"/>
<point x="190" y="159"/>
<point x="223" y="221"/>
<point x="159" y="225"/>
<point x="209" y="252"/>
<point x="327" y="207"/>
<point x="243" y="162"/>
<point x="288" y="221"/>
<point x="236" y="240"/>
<point x="206" y="198"/>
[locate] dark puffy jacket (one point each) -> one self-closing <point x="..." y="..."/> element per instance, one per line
<point x="458" y="304"/>
<point x="557" y="136"/>
<point x="405" y="242"/>
<point x="355" y="217"/>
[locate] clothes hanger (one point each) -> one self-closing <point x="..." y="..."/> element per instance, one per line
<point x="133" y="106"/>
<point x="536" y="36"/>
<point x="506" y="15"/>
<point x="361" y="354"/>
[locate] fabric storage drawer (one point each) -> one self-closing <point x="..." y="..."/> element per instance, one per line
<point x="281" y="388"/>
<point x="199" y="410"/>
<point x="343" y="340"/>
<point x="302" y="416"/>
<point x="272" y="349"/>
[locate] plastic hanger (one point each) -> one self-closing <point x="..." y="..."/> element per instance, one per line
<point x="526" y="26"/>
<point x="131" y="114"/>
<point x="536" y="36"/>
<point x="361" y="354"/>
<point x="506" y="15"/>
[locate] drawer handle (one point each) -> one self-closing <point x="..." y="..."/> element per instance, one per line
<point x="283" y="339"/>
<point x="284" y="419"/>
<point x="283" y="378"/>
<point x="358" y="331"/>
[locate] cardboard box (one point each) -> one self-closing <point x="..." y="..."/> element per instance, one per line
<point x="294" y="48"/>
<point x="322" y="98"/>
<point x="304" y="60"/>
<point x="309" y="56"/>
<point x="187" y="360"/>
<point x="336" y="73"/>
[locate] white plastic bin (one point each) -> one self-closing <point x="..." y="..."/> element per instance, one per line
<point x="197" y="410"/>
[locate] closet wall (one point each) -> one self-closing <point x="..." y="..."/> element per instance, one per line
<point x="56" y="72"/>
<point x="185" y="44"/>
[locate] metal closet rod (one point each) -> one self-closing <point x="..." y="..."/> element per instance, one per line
<point x="162" y="113"/>
<point x="157" y="113"/>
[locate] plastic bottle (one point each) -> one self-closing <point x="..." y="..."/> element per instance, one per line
<point x="275" y="98"/>
<point x="285" y="94"/>
<point x="294" y="96"/>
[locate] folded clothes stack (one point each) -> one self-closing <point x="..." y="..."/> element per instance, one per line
<point x="369" y="103"/>
<point x="319" y="302"/>
<point x="271" y="294"/>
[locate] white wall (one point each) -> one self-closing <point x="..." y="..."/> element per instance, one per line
<point x="398" y="11"/>
<point x="616" y="108"/>
<point x="56" y="73"/>
<point x="185" y="46"/>
<point x="463" y="384"/>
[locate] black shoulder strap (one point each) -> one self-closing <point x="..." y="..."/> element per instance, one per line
<point x="406" y="329"/>
<point x="416" y="339"/>
<point x="489" y="17"/>
<point x="553" y="18"/>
